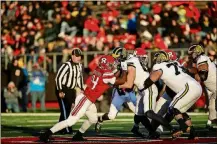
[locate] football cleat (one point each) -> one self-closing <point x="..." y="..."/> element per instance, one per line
<point x="154" y="135"/>
<point x="176" y="133"/>
<point x="136" y="132"/>
<point x="98" y="127"/>
<point x="78" y="137"/>
<point x="45" y="136"/>
<point x="192" y="133"/>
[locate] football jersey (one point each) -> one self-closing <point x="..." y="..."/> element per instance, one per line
<point x="141" y="74"/>
<point x="173" y="76"/>
<point x="210" y="83"/>
<point x="95" y="85"/>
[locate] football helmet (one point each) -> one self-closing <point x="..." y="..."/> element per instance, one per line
<point x="107" y="62"/>
<point x="195" y="50"/>
<point x="172" y="55"/>
<point x="160" y="57"/>
<point x="141" y="54"/>
<point x="119" y="53"/>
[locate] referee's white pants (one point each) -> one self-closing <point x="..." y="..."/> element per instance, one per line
<point x="83" y="106"/>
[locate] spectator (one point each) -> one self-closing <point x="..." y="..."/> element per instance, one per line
<point x="37" y="87"/>
<point x="11" y="95"/>
<point x="16" y="74"/>
<point x="131" y="26"/>
<point x="69" y="25"/>
<point x="91" y="26"/>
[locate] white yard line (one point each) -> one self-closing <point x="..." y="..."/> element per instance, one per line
<point x="57" y="114"/>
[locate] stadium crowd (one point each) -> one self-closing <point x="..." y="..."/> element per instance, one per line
<point x="36" y="28"/>
<point x="45" y="27"/>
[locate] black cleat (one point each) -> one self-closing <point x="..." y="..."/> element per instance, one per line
<point x="136" y="132"/>
<point x="193" y="134"/>
<point x="98" y="127"/>
<point x="154" y="135"/>
<point x="78" y="137"/>
<point x="45" y="136"/>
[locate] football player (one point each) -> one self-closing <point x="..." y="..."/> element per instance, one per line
<point x="166" y="98"/>
<point x="206" y="73"/>
<point x="146" y="99"/>
<point x="187" y="89"/>
<point x="97" y="84"/>
<point x="119" y="97"/>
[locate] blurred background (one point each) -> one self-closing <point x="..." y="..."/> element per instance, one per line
<point x="37" y="37"/>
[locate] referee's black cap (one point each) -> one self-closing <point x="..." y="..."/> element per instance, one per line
<point x="77" y="52"/>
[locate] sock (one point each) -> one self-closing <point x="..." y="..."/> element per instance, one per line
<point x="209" y="122"/>
<point x="59" y="126"/>
<point x="85" y="126"/>
<point x="169" y="117"/>
<point x="182" y="124"/>
<point x="155" y="124"/>
<point x="137" y="120"/>
<point x="104" y="117"/>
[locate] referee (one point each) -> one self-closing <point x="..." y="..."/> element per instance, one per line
<point x="68" y="77"/>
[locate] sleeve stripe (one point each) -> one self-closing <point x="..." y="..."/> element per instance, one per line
<point x="204" y="62"/>
<point x="132" y="66"/>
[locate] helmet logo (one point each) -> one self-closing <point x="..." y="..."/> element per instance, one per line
<point x="103" y="60"/>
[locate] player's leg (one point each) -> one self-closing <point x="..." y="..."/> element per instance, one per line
<point x="139" y="114"/>
<point x="115" y="106"/>
<point x="131" y="102"/>
<point x="161" y="109"/>
<point x="213" y="108"/>
<point x="81" y="105"/>
<point x="91" y="114"/>
<point x="183" y="101"/>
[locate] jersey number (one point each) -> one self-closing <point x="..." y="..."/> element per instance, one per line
<point x="175" y="67"/>
<point x="94" y="80"/>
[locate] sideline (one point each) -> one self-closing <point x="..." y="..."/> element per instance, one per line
<point x="99" y="114"/>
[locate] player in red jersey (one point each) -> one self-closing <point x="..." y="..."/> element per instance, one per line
<point x="97" y="84"/>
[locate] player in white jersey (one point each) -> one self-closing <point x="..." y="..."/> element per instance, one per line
<point x="207" y="74"/>
<point x="167" y="96"/>
<point x="146" y="99"/>
<point x="187" y="89"/>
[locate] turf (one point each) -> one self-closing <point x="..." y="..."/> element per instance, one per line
<point x="31" y="125"/>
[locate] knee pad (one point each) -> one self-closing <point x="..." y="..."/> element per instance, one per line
<point x="93" y="119"/>
<point x="186" y="116"/>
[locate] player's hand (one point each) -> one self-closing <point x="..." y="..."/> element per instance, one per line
<point x="124" y="66"/>
<point x="61" y="94"/>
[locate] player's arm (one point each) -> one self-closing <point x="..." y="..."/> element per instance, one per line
<point x="154" y="76"/>
<point x="131" y="70"/>
<point x="203" y="71"/>
<point x="121" y="80"/>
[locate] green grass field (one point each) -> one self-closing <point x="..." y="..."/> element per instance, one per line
<point x="13" y="125"/>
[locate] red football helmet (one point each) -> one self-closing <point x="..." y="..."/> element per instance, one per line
<point x="140" y="52"/>
<point x="172" y="54"/>
<point x="107" y="62"/>
<point x="143" y="58"/>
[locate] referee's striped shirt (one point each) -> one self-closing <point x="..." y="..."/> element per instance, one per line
<point x="70" y="75"/>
